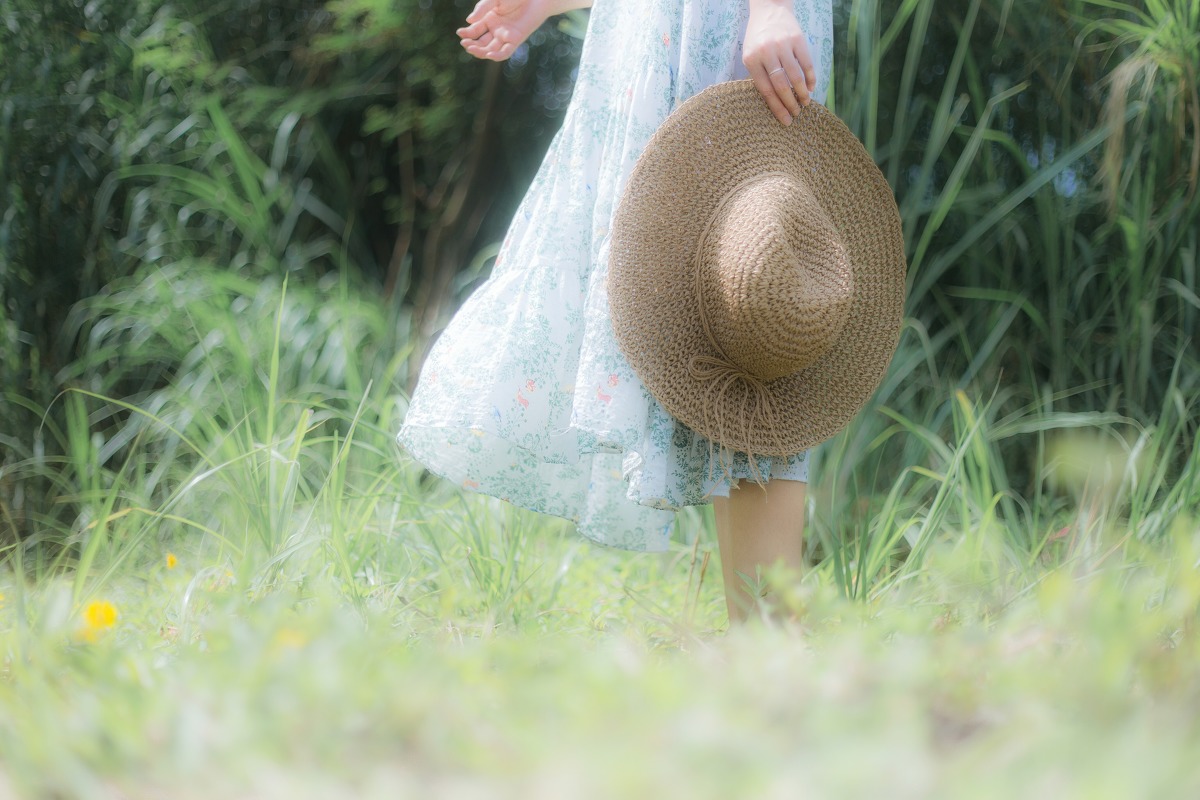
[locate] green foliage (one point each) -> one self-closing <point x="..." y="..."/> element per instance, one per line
<point x="61" y="60"/>
<point x="460" y="129"/>
<point x="1025" y="286"/>
<point x="997" y="181"/>
<point x="140" y="139"/>
<point x="1159" y="46"/>
<point x="242" y="347"/>
<point x="266" y="136"/>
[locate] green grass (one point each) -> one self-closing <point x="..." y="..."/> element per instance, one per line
<point x="592" y="673"/>
<point x="335" y="623"/>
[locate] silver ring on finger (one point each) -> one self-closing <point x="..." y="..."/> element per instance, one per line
<point x="777" y="69"/>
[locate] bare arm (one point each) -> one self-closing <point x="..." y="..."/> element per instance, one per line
<point x="777" y="55"/>
<point x="496" y="28"/>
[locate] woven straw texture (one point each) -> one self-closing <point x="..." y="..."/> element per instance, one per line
<point x="756" y="274"/>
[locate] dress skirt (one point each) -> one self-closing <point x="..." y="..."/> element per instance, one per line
<point x="525" y="395"/>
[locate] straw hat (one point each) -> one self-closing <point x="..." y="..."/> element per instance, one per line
<point x="756" y="272"/>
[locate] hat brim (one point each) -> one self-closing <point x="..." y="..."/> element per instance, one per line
<point x="714" y="141"/>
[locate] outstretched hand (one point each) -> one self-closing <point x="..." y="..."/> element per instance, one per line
<point x="496" y="28"/>
<point x="777" y="56"/>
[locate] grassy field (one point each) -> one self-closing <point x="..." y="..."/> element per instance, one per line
<point x="220" y="578"/>
<point x="464" y="649"/>
<point x="256" y="595"/>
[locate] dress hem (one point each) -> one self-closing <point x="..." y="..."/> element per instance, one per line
<point x="582" y="530"/>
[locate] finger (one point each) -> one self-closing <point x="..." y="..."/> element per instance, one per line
<point x="763" y="84"/>
<point x="481" y="8"/>
<point x="506" y="50"/>
<point x="472" y="31"/>
<point x="782" y="84"/>
<point x="804" y="59"/>
<point x="799" y="81"/>
<point x="795" y="78"/>
<point x="477" y="49"/>
<point x="497" y="49"/>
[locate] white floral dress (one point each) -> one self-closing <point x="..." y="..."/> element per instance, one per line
<point x="525" y="395"/>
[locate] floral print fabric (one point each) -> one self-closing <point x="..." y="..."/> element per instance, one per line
<point x="525" y="395"/>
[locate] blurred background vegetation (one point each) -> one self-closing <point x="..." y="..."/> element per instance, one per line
<point x="167" y="168"/>
<point x="227" y="145"/>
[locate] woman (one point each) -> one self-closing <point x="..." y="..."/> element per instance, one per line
<point x="525" y="395"/>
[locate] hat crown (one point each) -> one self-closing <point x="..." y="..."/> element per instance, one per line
<point x="774" y="279"/>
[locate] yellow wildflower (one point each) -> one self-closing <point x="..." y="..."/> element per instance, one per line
<point x="289" y="639"/>
<point x="98" y="617"/>
<point x="171" y="561"/>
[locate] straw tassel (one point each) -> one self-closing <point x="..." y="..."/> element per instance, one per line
<point x="721" y="377"/>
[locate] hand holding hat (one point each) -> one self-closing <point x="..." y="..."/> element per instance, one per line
<point x="778" y="58"/>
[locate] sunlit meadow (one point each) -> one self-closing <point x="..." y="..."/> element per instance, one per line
<point x="221" y="578"/>
<point x="264" y="598"/>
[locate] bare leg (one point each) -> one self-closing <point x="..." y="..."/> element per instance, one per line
<point x="758" y="527"/>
